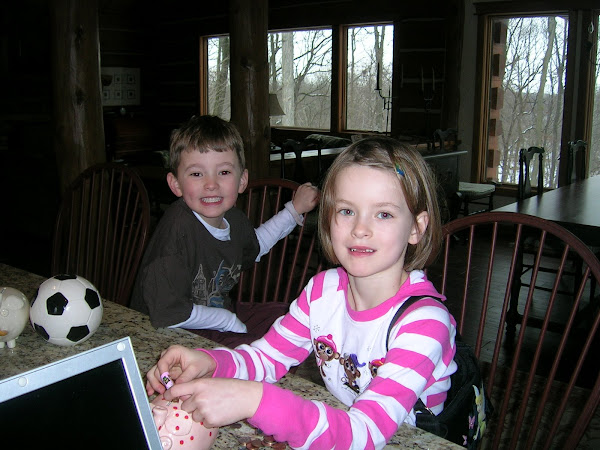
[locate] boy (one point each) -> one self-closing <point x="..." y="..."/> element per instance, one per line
<point x="203" y="243"/>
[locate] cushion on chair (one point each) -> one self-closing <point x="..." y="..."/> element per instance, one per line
<point x="329" y="141"/>
<point x="476" y="190"/>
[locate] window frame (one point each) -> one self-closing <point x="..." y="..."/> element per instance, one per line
<point x="343" y="122"/>
<point x="579" y="81"/>
<point x="339" y="80"/>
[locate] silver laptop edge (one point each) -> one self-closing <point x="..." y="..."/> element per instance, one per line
<point x="65" y="368"/>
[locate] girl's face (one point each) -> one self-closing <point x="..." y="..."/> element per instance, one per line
<point x="372" y="225"/>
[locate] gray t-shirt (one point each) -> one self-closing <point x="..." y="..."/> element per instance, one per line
<point x="185" y="265"/>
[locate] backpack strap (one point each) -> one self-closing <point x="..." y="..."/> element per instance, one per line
<point x="419" y="406"/>
<point x="407" y="303"/>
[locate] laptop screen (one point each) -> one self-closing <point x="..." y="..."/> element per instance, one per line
<point x="95" y="399"/>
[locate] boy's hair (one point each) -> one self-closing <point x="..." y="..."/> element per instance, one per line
<point x="205" y="134"/>
<point x="417" y="182"/>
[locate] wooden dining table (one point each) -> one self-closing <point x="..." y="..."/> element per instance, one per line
<point x="576" y="207"/>
<point x="118" y="321"/>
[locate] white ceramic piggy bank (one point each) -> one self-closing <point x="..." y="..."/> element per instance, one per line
<point x="14" y="314"/>
<point x="176" y="428"/>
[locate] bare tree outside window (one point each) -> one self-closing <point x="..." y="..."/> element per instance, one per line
<point x="370" y="52"/>
<point x="527" y="107"/>
<point x="300" y="75"/>
<point x="300" y="67"/>
<point x="219" y="85"/>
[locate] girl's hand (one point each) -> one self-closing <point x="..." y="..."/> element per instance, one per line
<point x="217" y="402"/>
<point x="306" y="198"/>
<point x="182" y="364"/>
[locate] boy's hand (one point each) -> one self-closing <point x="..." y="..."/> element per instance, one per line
<point x="216" y="402"/>
<point x="182" y="364"/>
<point x="306" y="198"/>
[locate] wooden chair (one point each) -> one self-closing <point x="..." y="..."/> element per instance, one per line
<point x="481" y="194"/>
<point x="102" y="228"/>
<point x="544" y="383"/>
<point x="265" y="291"/>
<point x="529" y="245"/>
<point x="285" y="270"/>
<point x="296" y="147"/>
<point x="576" y="169"/>
<point x="526" y="157"/>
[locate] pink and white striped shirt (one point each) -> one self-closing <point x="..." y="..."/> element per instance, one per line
<point x="380" y="388"/>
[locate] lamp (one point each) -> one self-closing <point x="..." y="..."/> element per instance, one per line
<point x="274" y="106"/>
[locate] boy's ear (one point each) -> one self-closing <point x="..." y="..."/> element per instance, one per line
<point x="243" y="181"/>
<point x="174" y="184"/>
<point x="419" y="227"/>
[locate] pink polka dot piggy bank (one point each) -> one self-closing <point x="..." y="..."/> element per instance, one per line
<point x="176" y="428"/>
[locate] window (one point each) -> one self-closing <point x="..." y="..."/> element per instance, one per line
<point x="527" y="85"/>
<point x="300" y="76"/>
<point x="369" y="77"/>
<point x="530" y="72"/>
<point x="219" y="85"/>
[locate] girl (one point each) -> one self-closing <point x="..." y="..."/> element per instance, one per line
<point x="380" y="222"/>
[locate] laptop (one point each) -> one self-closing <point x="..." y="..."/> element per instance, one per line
<point x="92" y="400"/>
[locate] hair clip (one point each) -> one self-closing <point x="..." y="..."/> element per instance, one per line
<point x="399" y="171"/>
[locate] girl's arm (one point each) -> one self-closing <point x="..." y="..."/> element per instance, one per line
<point x="420" y="358"/>
<point x="286" y="344"/>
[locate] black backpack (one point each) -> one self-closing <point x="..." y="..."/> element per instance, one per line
<point x="467" y="407"/>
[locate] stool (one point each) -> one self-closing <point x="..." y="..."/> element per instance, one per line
<point x="475" y="194"/>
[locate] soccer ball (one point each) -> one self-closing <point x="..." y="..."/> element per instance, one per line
<point x="66" y="310"/>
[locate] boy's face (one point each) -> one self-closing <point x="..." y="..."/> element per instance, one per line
<point x="209" y="183"/>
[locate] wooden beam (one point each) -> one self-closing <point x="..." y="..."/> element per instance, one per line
<point x="454" y="24"/>
<point x="249" y="81"/>
<point x="79" y="126"/>
<point x="338" y="79"/>
<point x="578" y="95"/>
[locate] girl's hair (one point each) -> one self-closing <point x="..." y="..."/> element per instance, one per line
<point x="417" y="183"/>
<point x="205" y="134"/>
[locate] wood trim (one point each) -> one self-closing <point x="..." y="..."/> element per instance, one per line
<point x="532" y="6"/>
<point x="79" y="124"/>
<point x="249" y="81"/>
<point x="397" y="80"/>
<point x="570" y="97"/>
<point x="579" y="94"/>
<point x="482" y="92"/>
<point x="455" y="24"/>
<point x="203" y="75"/>
<point x="588" y="72"/>
<point x="339" y="48"/>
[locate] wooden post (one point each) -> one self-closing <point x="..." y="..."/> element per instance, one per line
<point x="450" y="89"/>
<point x="250" y="82"/>
<point x="77" y="94"/>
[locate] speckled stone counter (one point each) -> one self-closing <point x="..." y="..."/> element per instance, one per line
<point x="118" y="321"/>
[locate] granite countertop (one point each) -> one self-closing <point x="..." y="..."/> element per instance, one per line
<point x="118" y="321"/>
